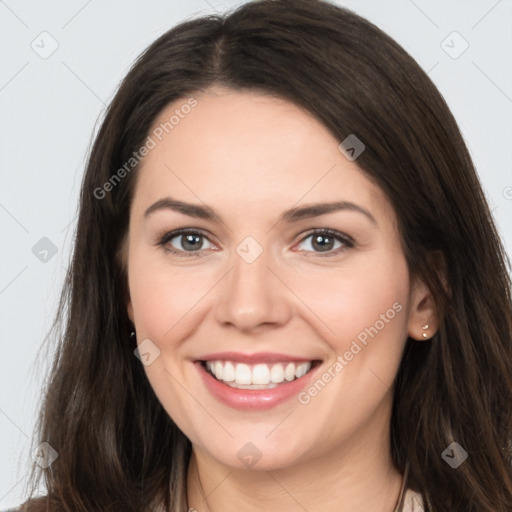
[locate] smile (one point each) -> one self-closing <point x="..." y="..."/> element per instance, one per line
<point x="255" y="386"/>
<point x="257" y="376"/>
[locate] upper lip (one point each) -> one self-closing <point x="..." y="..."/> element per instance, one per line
<point x="256" y="357"/>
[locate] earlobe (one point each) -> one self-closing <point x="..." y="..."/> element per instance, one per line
<point x="423" y="316"/>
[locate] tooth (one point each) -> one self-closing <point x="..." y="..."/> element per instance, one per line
<point x="251" y="386"/>
<point x="243" y="374"/>
<point x="302" y="369"/>
<point x="260" y="374"/>
<point x="218" y="369"/>
<point x="228" y="373"/>
<point x="277" y="373"/>
<point x="289" y="372"/>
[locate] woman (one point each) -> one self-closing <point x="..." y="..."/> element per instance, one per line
<point x="287" y="290"/>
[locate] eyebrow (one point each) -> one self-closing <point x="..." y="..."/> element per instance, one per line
<point x="292" y="215"/>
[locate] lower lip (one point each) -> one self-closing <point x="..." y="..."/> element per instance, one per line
<point x="253" y="399"/>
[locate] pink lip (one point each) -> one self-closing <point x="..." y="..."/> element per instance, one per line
<point x="253" y="399"/>
<point x="258" y="357"/>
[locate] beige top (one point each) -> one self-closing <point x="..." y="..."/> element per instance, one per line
<point x="413" y="502"/>
<point x="409" y="500"/>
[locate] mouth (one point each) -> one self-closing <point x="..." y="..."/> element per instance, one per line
<point x="258" y="376"/>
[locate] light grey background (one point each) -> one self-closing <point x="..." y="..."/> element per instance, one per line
<point x="49" y="108"/>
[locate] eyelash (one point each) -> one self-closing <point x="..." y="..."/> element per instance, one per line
<point x="347" y="241"/>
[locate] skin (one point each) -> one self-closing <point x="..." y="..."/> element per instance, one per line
<point x="249" y="157"/>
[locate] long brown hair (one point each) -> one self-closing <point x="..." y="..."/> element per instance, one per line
<point x="118" y="450"/>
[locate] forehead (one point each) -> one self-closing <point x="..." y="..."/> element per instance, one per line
<point x="247" y="149"/>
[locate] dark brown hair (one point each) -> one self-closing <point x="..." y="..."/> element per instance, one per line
<point x="118" y="450"/>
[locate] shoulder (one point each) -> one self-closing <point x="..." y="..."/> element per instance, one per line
<point x="413" y="502"/>
<point x="32" y="505"/>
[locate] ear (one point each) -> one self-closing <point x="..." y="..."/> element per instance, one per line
<point x="129" y="310"/>
<point x="423" y="316"/>
<point x="122" y="261"/>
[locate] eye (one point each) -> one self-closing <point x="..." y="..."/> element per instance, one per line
<point x="183" y="242"/>
<point x="324" y="240"/>
<point x="189" y="242"/>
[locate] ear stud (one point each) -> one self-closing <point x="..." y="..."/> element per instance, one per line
<point x="425" y="327"/>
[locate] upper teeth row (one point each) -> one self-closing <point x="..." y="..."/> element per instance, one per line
<point x="258" y="374"/>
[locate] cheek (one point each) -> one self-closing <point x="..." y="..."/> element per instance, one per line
<point x="363" y="301"/>
<point x="163" y="297"/>
<point x="361" y="313"/>
<point x="163" y="300"/>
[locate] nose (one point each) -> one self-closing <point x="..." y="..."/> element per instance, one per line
<point x="253" y="296"/>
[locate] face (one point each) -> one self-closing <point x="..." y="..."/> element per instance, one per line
<point x="258" y="284"/>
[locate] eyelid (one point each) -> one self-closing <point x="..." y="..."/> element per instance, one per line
<point x="332" y="232"/>
<point x="346" y="240"/>
<point x="163" y="240"/>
